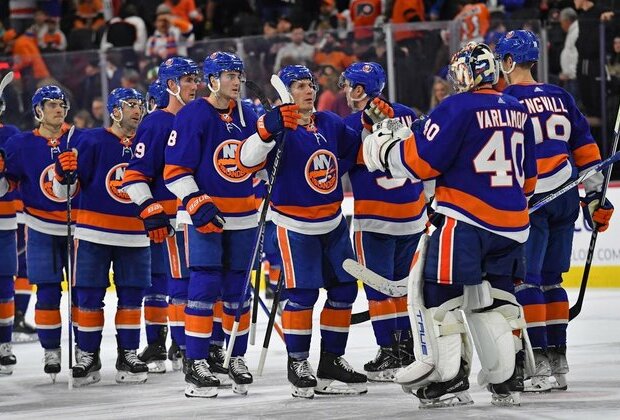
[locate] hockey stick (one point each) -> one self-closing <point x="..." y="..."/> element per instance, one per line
<point x="576" y="308"/>
<point x="260" y="231"/>
<point x="271" y="324"/>
<point x="267" y="311"/>
<point x="8" y="78"/>
<point x="258" y="92"/>
<point x="70" y="271"/>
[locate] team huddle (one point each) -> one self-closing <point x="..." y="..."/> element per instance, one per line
<point x="170" y="200"/>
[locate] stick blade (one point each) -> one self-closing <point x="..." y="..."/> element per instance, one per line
<point x="365" y="275"/>
<point x="8" y="78"/>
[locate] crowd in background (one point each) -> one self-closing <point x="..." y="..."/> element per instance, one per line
<point x="71" y="42"/>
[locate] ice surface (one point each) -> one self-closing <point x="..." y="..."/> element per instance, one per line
<point x="594" y="382"/>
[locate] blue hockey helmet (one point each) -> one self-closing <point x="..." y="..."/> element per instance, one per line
<point x="369" y="75"/>
<point x="48" y="93"/>
<point x="176" y="67"/>
<point x="158" y="94"/>
<point x="293" y="73"/>
<point x="120" y="95"/>
<point x="522" y="45"/>
<point x="472" y="66"/>
<point x="219" y="62"/>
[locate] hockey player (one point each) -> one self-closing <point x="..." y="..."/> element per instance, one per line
<point x="312" y="234"/>
<point x="8" y="257"/>
<point x="478" y="145"/>
<point x="389" y="217"/>
<point x="157" y="206"/>
<point x="564" y="147"/>
<point x="30" y="160"/>
<point x="156" y="96"/>
<point x="107" y="233"/>
<point x="217" y="194"/>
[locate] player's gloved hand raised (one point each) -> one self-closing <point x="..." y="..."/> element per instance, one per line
<point x="156" y="221"/>
<point x="379" y="143"/>
<point x="418" y="125"/>
<point x="276" y="120"/>
<point x="594" y="213"/>
<point x="205" y="215"/>
<point x="376" y="111"/>
<point x="66" y="165"/>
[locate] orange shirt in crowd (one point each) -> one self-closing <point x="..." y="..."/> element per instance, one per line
<point x="363" y="15"/>
<point x="185" y="9"/>
<point x="337" y="59"/>
<point x="89" y="8"/>
<point x="26" y="54"/>
<point x="475" y="20"/>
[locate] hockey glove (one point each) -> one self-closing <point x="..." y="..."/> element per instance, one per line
<point x="418" y="125"/>
<point x="376" y="111"/>
<point x="595" y="214"/>
<point x="156" y="221"/>
<point x="377" y="146"/>
<point x="276" y="120"/>
<point x="66" y="165"/>
<point x="205" y="215"/>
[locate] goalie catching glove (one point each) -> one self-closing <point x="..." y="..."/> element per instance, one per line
<point x="595" y="214"/>
<point x="156" y="221"/>
<point x="205" y="215"/>
<point x="377" y="146"/>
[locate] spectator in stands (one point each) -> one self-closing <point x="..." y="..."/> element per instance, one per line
<point x="296" y="50"/>
<point x="329" y="52"/>
<point x="406" y="11"/>
<point x="26" y="54"/>
<point x="21" y="14"/>
<point x="363" y="14"/>
<point x="89" y="9"/>
<point x="185" y="9"/>
<point x="474" y="19"/>
<point x="284" y="25"/>
<point x="270" y="10"/>
<point x="129" y="13"/>
<point x="172" y="36"/>
<point x="53" y="40"/>
<point x="82" y="119"/>
<point x="614" y="60"/>
<point x="97" y="110"/>
<point x="441" y="90"/>
<point x="39" y="27"/>
<point x="569" y="55"/>
<point x="328" y="19"/>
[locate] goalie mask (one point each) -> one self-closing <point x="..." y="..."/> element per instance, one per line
<point x="472" y="66"/>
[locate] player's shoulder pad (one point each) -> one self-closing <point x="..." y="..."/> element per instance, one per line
<point x="402" y="110"/>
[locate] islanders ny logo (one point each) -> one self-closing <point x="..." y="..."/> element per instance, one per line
<point x="225" y="164"/>
<point x="114" y="182"/>
<point x="322" y="171"/>
<point x="46" y="184"/>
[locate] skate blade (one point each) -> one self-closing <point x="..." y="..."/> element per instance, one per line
<point x="192" y="391"/>
<point x="123" y="377"/>
<point x="157" y="366"/>
<point x="6" y="370"/>
<point x="21" y="338"/>
<point x="559" y="384"/>
<point x="307" y="393"/>
<point x="177" y="365"/>
<point x="386" y="375"/>
<point x="448" y="400"/>
<point x="52" y="377"/>
<point x="537" y="385"/>
<point x="334" y="387"/>
<point x="506" y="400"/>
<point x="241" y="389"/>
<point x="91" y="378"/>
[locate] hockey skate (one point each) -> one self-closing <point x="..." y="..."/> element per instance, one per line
<point x="52" y="363"/>
<point x="201" y="383"/>
<point x="22" y="331"/>
<point x="241" y="376"/>
<point x="176" y="357"/>
<point x="383" y="367"/>
<point x="446" y="394"/>
<point x="301" y="377"/>
<point x="216" y="365"/>
<point x="7" y="359"/>
<point x="406" y="354"/>
<point x="539" y="381"/>
<point x="559" y="367"/>
<point x="129" y="368"/>
<point x="154" y="355"/>
<point x="508" y="393"/>
<point x="86" y="370"/>
<point x="336" y="376"/>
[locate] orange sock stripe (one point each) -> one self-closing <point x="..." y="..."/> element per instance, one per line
<point x="22" y="286"/>
<point x="47" y="319"/>
<point x="128" y="318"/>
<point x="297" y="322"/>
<point x="198" y="326"/>
<point x="7" y="312"/>
<point x="90" y="320"/>
<point x="381" y="309"/>
<point x="244" y="323"/>
<point x="155" y="315"/>
<point x="336" y="319"/>
<point x="535" y="315"/>
<point x="75" y="315"/>
<point x="176" y="315"/>
<point x="218" y="309"/>
<point x="274" y="274"/>
<point x="557" y="312"/>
